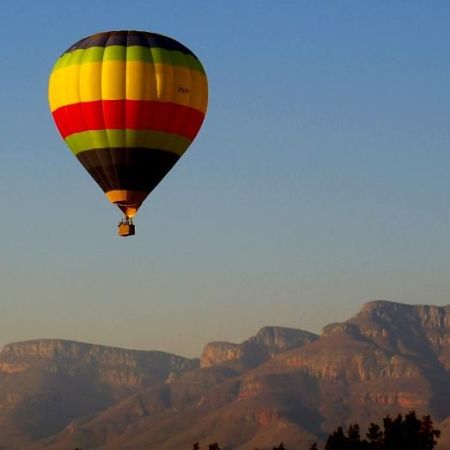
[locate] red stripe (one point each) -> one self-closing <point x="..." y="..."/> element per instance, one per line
<point x="132" y="114"/>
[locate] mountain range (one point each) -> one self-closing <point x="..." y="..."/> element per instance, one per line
<point x="282" y="384"/>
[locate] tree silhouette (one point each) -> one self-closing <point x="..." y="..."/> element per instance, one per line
<point x="375" y="437"/>
<point x="337" y="440"/>
<point x="407" y="432"/>
<point x="401" y="433"/>
<point x="214" y="446"/>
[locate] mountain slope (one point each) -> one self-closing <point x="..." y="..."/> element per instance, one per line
<point x="45" y="384"/>
<point x="280" y="385"/>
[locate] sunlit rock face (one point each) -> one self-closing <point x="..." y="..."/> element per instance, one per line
<point x="267" y="343"/>
<point x="115" y="366"/>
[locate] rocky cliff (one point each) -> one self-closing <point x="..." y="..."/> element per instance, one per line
<point x="114" y="366"/>
<point x="268" y="342"/>
<point x="420" y="330"/>
<point x="45" y="384"/>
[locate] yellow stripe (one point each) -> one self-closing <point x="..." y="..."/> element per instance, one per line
<point x="89" y="87"/>
<point x="64" y="91"/>
<point x="87" y="140"/>
<point x="132" y="80"/>
<point x="113" y="80"/>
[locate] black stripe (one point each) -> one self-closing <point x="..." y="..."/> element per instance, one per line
<point x="127" y="38"/>
<point x="139" y="169"/>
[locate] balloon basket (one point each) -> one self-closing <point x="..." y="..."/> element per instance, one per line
<point x="126" y="227"/>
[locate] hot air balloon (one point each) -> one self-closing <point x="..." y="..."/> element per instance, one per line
<point x="128" y="104"/>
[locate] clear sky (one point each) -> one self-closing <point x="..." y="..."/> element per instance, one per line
<point x="319" y="181"/>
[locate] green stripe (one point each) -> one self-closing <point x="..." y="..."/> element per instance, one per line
<point x="88" y="140"/>
<point x="132" y="53"/>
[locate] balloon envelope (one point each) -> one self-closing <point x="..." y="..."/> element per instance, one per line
<point x="128" y="104"/>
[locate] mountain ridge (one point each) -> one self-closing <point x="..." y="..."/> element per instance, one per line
<point x="282" y="384"/>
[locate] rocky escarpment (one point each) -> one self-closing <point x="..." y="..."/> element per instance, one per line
<point x="413" y="330"/>
<point x="268" y="342"/>
<point x="388" y="357"/>
<point x="47" y="383"/>
<point x="279" y="385"/>
<point x="110" y="365"/>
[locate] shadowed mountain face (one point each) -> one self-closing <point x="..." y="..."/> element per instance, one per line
<point x="280" y="385"/>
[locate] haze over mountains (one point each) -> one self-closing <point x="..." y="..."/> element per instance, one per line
<point x="282" y="384"/>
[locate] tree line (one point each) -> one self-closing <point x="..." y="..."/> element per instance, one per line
<point x="402" y="433"/>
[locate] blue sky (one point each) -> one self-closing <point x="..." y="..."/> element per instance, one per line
<point x="319" y="181"/>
